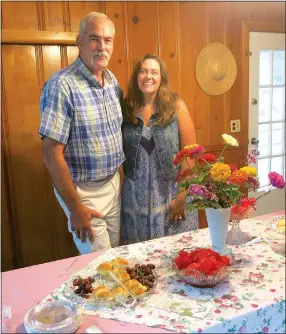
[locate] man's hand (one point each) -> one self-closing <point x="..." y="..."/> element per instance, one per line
<point x="80" y="219"/>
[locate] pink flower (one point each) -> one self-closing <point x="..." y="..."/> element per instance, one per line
<point x="251" y="158"/>
<point x="253" y="183"/>
<point x="276" y="180"/>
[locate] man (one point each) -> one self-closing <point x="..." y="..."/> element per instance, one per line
<point x="82" y="143"/>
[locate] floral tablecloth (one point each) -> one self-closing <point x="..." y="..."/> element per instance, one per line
<point x="251" y="300"/>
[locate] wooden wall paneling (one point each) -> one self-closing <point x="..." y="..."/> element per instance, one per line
<point x="79" y="9"/>
<point x="9" y="259"/>
<point x="169" y="41"/>
<point x="20" y="15"/>
<point x="36" y="37"/>
<point x="72" y="54"/>
<point x="51" y="62"/>
<point x="273" y="11"/>
<point x="7" y="254"/>
<point x="215" y="34"/>
<point x="192" y="39"/>
<point x="53" y="15"/>
<point x="27" y="167"/>
<point x="118" y="63"/>
<point x="142" y="30"/>
<point x="236" y="13"/>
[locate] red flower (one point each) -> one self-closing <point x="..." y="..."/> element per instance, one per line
<point x="183" y="175"/>
<point x="188" y="151"/>
<point x="232" y="167"/>
<point x="242" y="207"/>
<point x="207" y="157"/>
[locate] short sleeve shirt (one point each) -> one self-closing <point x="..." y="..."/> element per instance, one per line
<point x="78" y="112"/>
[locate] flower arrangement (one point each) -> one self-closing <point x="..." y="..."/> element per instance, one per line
<point x="212" y="183"/>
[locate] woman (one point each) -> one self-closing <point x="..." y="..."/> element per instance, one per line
<point x="156" y="125"/>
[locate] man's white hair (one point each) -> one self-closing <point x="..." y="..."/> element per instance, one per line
<point x="96" y="16"/>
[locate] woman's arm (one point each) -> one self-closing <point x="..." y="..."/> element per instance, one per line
<point x="187" y="136"/>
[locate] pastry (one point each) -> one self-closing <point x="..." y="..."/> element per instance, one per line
<point x="117" y="271"/>
<point x="135" y="287"/>
<point x="281" y="225"/>
<point x="123" y="277"/>
<point x="119" y="262"/>
<point x="119" y="292"/>
<point x="104" y="268"/>
<point x="140" y="290"/>
<point x="102" y="292"/>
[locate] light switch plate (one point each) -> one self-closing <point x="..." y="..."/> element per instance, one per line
<point x="235" y="125"/>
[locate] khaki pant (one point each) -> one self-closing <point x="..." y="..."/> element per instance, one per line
<point x="104" y="197"/>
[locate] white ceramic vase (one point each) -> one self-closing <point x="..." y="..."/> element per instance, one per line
<point x="218" y="220"/>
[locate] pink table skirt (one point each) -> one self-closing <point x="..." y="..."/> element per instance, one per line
<point x="24" y="288"/>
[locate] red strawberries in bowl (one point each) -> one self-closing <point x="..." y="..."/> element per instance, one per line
<point x="204" y="260"/>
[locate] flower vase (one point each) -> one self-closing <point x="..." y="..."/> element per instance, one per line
<point x="236" y="236"/>
<point x="218" y="220"/>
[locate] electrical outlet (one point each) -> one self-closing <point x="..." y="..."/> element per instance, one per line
<point x="235" y="125"/>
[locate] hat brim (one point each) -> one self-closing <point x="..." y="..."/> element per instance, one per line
<point x="221" y="54"/>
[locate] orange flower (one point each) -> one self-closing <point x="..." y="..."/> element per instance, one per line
<point x="238" y="177"/>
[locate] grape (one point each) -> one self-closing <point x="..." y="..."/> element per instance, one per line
<point x="148" y="271"/>
<point x="90" y="279"/>
<point x="76" y="281"/>
<point x="147" y="283"/>
<point x="77" y="291"/>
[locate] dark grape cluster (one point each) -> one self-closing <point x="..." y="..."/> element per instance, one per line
<point x="84" y="286"/>
<point x="143" y="274"/>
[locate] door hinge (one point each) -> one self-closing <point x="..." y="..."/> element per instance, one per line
<point x="248" y="53"/>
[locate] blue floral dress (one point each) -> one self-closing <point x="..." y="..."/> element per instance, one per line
<point x="145" y="201"/>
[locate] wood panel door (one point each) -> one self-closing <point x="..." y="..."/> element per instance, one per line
<point x="38" y="221"/>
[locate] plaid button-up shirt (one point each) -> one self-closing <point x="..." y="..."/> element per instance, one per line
<point x="78" y="112"/>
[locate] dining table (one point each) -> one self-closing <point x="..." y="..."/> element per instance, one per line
<point x="250" y="300"/>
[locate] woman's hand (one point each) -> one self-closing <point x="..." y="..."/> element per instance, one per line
<point x="177" y="208"/>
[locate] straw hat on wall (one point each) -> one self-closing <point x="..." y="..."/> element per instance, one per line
<point x="216" y="69"/>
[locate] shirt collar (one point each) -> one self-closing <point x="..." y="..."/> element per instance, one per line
<point x="85" y="71"/>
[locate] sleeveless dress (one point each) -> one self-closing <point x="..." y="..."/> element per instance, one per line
<point x="145" y="201"/>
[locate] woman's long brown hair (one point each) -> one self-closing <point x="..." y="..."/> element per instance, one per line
<point x="166" y="100"/>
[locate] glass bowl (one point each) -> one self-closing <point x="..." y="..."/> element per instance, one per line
<point x="53" y="317"/>
<point x="201" y="280"/>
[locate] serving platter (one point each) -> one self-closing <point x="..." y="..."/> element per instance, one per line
<point x="277" y="223"/>
<point x="73" y="289"/>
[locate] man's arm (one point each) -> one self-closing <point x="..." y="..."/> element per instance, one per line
<point x="80" y="215"/>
